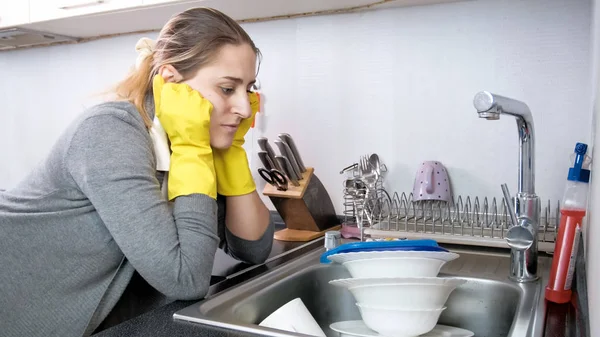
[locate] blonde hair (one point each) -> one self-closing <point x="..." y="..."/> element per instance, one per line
<point x="188" y="41"/>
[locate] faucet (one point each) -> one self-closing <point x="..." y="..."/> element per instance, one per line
<point x="524" y="209"/>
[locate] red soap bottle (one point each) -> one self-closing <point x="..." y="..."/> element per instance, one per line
<point x="572" y="212"/>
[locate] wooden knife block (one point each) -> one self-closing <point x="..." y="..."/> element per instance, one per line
<point x="307" y="210"/>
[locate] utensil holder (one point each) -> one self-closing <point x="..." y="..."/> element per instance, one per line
<point x="306" y="210"/>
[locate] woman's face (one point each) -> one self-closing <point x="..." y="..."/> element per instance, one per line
<point x="225" y="83"/>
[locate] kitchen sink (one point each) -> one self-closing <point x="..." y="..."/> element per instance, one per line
<point x="488" y="304"/>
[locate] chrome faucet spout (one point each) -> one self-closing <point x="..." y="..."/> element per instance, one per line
<point x="492" y="106"/>
<point x="522" y="236"/>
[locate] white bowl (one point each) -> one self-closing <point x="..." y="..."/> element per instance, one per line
<point x="394" y="267"/>
<point x="401" y="293"/>
<point x="392" y="322"/>
<point x="379" y="254"/>
<point x="393" y="263"/>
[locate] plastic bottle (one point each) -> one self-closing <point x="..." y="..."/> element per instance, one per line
<point x="572" y="212"/>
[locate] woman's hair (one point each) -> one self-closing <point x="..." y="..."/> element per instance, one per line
<point x="188" y="41"/>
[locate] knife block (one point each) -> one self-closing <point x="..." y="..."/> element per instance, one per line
<point x="306" y="210"/>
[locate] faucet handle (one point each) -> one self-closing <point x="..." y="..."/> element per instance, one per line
<point x="519" y="236"/>
<point x="511" y="208"/>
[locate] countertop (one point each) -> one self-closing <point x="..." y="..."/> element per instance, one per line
<point x="562" y="320"/>
<point x="227" y="272"/>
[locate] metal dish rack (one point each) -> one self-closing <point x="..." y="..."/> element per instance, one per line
<point x="467" y="221"/>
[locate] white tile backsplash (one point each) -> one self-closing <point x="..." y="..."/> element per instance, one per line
<point x="398" y="82"/>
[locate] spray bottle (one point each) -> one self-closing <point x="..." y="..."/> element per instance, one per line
<point x="572" y="212"/>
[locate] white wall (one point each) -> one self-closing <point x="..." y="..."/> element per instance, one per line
<point x="398" y="82"/>
<point x="592" y="228"/>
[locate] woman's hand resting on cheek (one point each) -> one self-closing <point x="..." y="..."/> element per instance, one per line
<point x="185" y="116"/>
<point x="233" y="172"/>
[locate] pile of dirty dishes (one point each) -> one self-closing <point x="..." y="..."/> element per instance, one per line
<point x="397" y="289"/>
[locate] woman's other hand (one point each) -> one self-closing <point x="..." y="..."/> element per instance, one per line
<point x="233" y="172"/>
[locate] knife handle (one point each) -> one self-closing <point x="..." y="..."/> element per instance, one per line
<point x="292" y="158"/>
<point x="264" y="145"/>
<point x="266" y="160"/>
<point x="292" y="145"/>
<point x="287" y="153"/>
<point x="288" y="169"/>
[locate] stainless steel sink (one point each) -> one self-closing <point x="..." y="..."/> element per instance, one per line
<point x="488" y="304"/>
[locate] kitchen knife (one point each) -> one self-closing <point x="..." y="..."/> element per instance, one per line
<point x="264" y="145"/>
<point x="286" y="152"/>
<point x="266" y="160"/>
<point x="293" y="160"/>
<point x="290" y="142"/>
<point x="288" y="169"/>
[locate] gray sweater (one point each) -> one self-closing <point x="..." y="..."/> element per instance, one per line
<point x="91" y="214"/>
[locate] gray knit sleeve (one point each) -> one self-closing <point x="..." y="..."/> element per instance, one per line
<point x="252" y="252"/>
<point x="110" y="159"/>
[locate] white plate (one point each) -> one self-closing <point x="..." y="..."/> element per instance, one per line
<point x="352" y="256"/>
<point x="359" y="329"/>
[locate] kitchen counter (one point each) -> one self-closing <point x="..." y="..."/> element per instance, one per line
<point x="562" y="320"/>
<point x="227" y="272"/>
<point x="160" y="322"/>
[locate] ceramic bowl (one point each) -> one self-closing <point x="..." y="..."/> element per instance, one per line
<point x="393" y="322"/>
<point x="418" y="293"/>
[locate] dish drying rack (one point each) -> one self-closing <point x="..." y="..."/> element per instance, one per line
<point x="358" y="196"/>
<point x="463" y="220"/>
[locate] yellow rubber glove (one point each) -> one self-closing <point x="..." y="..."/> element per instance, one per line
<point x="233" y="171"/>
<point x="185" y="116"/>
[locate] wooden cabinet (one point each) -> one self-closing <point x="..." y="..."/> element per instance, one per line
<point x="156" y="2"/>
<point x="84" y="19"/>
<point x="13" y="13"/>
<point x="44" y="10"/>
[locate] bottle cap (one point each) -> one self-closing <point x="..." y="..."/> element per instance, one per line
<point x="332" y="239"/>
<point x="577" y="172"/>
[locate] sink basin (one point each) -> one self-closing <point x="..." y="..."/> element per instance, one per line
<point x="487" y="304"/>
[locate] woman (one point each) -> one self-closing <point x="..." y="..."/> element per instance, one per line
<point x="93" y="213"/>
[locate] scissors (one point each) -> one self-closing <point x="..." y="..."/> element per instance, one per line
<point x="275" y="178"/>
